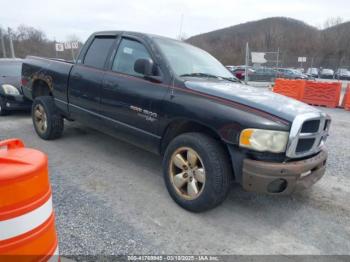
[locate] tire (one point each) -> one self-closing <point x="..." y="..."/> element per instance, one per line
<point x="3" y="111"/>
<point x="52" y="124"/>
<point x="212" y="158"/>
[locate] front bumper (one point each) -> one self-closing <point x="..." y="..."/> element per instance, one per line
<point x="18" y="102"/>
<point x="283" y="178"/>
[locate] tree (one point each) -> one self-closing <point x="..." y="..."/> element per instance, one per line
<point x="28" y="40"/>
<point x="333" y="21"/>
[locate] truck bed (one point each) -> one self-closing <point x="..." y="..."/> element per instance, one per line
<point x="54" y="72"/>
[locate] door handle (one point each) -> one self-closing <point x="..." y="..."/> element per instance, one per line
<point x="110" y="84"/>
<point x="77" y="76"/>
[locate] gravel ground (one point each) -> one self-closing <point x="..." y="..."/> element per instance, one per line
<point x="110" y="198"/>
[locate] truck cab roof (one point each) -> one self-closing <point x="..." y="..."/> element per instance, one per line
<point x="131" y="33"/>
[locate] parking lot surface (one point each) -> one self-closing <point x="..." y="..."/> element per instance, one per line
<point x="110" y="198"/>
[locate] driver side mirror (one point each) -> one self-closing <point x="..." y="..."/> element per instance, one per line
<point x="147" y="68"/>
<point x="144" y="66"/>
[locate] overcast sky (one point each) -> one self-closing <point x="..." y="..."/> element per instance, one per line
<point x="59" y="19"/>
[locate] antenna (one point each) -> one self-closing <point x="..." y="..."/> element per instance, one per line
<point x="181" y="24"/>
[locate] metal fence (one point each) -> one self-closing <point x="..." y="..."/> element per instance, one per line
<point x="281" y="59"/>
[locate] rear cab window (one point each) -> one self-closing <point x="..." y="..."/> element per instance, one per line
<point x="98" y="51"/>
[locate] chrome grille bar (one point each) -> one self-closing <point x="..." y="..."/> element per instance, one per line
<point x="295" y="134"/>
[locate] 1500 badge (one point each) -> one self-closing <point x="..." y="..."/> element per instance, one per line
<point x="148" y="115"/>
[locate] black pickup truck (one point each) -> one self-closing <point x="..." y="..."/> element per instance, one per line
<point x="176" y="100"/>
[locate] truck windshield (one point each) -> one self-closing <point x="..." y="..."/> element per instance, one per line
<point x="187" y="60"/>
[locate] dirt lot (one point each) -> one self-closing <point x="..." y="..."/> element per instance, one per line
<point x="110" y="199"/>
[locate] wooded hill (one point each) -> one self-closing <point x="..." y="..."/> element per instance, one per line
<point x="327" y="48"/>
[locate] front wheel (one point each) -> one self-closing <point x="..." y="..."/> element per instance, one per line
<point x="48" y="122"/>
<point x="197" y="172"/>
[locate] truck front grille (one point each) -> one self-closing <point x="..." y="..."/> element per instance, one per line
<point x="311" y="126"/>
<point x="308" y="134"/>
<point x="305" y="145"/>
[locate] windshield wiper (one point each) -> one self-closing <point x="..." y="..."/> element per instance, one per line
<point x="198" y="75"/>
<point x="210" y="76"/>
<point x="232" y="79"/>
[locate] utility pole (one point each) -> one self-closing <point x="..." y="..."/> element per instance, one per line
<point x="11" y="44"/>
<point x="73" y="56"/>
<point x="56" y="48"/>
<point x="278" y="56"/>
<point x="2" y="43"/>
<point x="246" y="63"/>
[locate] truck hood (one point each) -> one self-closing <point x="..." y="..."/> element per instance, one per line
<point x="258" y="98"/>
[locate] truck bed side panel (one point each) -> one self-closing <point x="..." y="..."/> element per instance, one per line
<point x="53" y="72"/>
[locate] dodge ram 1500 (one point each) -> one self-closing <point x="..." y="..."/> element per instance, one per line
<point x="176" y="100"/>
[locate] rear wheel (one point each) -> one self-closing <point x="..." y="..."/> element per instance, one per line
<point x="48" y="122"/>
<point x="197" y="172"/>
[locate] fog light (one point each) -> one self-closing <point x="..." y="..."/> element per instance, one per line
<point x="277" y="186"/>
<point x="8" y="104"/>
<point x="305" y="174"/>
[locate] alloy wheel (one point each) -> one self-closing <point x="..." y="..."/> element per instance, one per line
<point x="187" y="173"/>
<point x="40" y="118"/>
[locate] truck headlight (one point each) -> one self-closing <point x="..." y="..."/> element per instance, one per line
<point x="10" y="90"/>
<point x="264" y="140"/>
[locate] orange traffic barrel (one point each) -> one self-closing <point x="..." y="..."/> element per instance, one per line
<point x="27" y="222"/>
<point x="346" y="99"/>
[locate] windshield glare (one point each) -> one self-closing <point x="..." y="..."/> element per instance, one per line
<point x="185" y="59"/>
<point x="10" y="69"/>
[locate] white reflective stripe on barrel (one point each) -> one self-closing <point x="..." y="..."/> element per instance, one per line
<point x="22" y="224"/>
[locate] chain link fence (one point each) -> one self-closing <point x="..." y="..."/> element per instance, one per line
<point x="282" y="59"/>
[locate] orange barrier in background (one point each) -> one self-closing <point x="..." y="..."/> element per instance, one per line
<point x="290" y="88"/>
<point x="346" y="99"/>
<point x="322" y="94"/>
<point x="310" y="92"/>
<point x="27" y="226"/>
